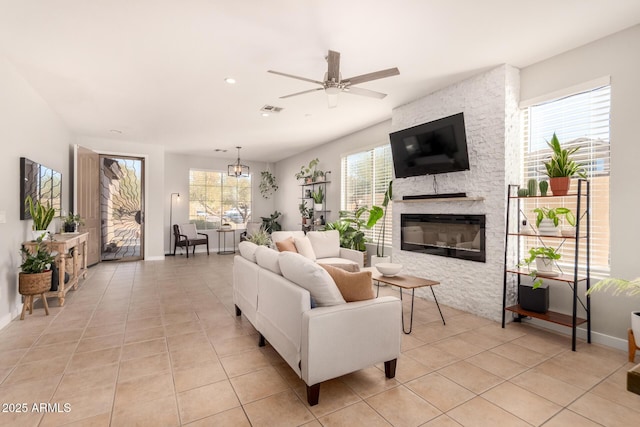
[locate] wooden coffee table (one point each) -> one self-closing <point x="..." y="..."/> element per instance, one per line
<point x="404" y="281"/>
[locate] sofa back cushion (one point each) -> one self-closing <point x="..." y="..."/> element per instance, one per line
<point x="248" y="250"/>
<point x="352" y="286"/>
<point x="268" y="258"/>
<point x="326" y="244"/>
<point x="278" y="236"/>
<point x="304" y="248"/>
<point x="310" y="276"/>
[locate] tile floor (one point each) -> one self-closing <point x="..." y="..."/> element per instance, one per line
<point x="157" y="344"/>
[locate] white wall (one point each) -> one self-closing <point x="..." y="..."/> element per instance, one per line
<point x="153" y="190"/>
<point x="617" y="56"/>
<point x="176" y="180"/>
<point x="489" y="102"/>
<point x="28" y="128"/>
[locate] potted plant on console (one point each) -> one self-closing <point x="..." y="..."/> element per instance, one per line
<point x="35" y="275"/>
<point x="72" y="222"/>
<point x="535" y="297"/>
<point x="42" y="217"/>
<point x="561" y="167"/>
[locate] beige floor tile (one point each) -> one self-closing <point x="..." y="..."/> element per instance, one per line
<point x="143" y="366"/>
<point x="46" y="352"/>
<point x="81" y="406"/>
<point x="13" y="342"/>
<point x="432" y="357"/>
<point x="357" y="414"/>
<point x="142" y="389"/>
<point x="478" y="339"/>
<point x="400" y="406"/>
<point x="440" y="391"/>
<point x="160" y="412"/>
<point x="191" y="358"/>
<point x="458" y="347"/>
<point x="35" y="390"/>
<point x="548" y="387"/>
<point x="258" y="385"/>
<point x="407" y="369"/>
<point x="170" y="319"/>
<point x="93" y="359"/>
<point x="615" y="388"/>
<point x="100" y="343"/>
<point x="604" y="411"/>
<point x="98" y="331"/>
<point x="574" y="375"/>
<point x="144" y="348"/>
<point x="85" y="381"/>
<point x="497" y="365"/>
<point x="35" y="370"/>
<point x="192" y="341"/>
<point x="70" y="335"/>
<point x="144" y="313"/>
<point x="208" y="400"/>
<point x="470" y="376"/>
<point x="280" y="409"/>
<point x="334" y="395"/>
<point x="243" y="363"/>
<point x="369" y="381"/>
<point x="144" y="334"/>
<point x="566" y="418"/>
<point x="544" y="344"/>
<point x="480" y="413"/>
<point x="182" y="328"/>
<point x="409" y="342"/>
<point x="204" y="373"/>
<point x="144" y="323"/>
<point x="235" y="345"/>
<point x="10" y="358"/>
<point x="520" y="354"/>
<point x="233" y="417"/>
<point x="101" y="420"/>
<point x="522" y="403"/>
<point x="442" y="421"/>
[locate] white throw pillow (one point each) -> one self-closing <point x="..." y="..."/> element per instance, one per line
<point x="189" y="230"/>
<point x="248" y="250"/>
<point x="303" y="245"/>
<point x="268" y="258"/>
<point x="310" y="276"/>
<point x="326" y="244"/>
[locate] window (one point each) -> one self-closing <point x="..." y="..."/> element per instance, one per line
<point x="216" y="198"/>
<point x="580" y="120"/>
<point x="365" y="179"/>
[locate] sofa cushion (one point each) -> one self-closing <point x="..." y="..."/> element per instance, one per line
<point x="352" y="286"/>
<point x="304" y="248"/>
<point x="343" y="263"/>
<point x="248" y="250"/>
<point x="268" y="258"/>
<point x="310" y="276"/>
<point x="287" y="245"/>
<point x="326" y="244"/>
<point x="278" y="236"/>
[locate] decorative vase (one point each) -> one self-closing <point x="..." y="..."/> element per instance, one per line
<point x="547" y="228"/>
<point x="376" y="259"/>
<point x="560" y="186"/>
<point x="317" y="207"/>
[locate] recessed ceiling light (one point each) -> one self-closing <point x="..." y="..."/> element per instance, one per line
<point x="115" y="131"/>
<point x="265" y="114"/>
<point x="230" y="80"/>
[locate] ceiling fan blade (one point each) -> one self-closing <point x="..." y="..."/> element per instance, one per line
<point x="302" y="93"/>
<point x="295" y="77"/>
<point x="372" y="76"/>
<point x="333" y="70"/>
<point x="364" y="92"/>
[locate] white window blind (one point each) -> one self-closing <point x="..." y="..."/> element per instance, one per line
<point x="216" y="198"/>
<point x="365" y="179"/>
<point x="580" y="120"/>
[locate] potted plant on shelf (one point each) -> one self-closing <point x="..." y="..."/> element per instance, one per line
<point x="267" y="184"/>
<point x="535" y="296"/>
<point x="318" y="198"/>
<point x="379" y="256"/>
<point x="548" y="219"/>
<point x="71" y="223"/>
<point x="309" y="173"/>
<point x="561" y="167"/>
<point x="304" y="211"/>
<point x="42" y="217"/>
<point x="628" y="288"/>
<point x="35" y="275"/>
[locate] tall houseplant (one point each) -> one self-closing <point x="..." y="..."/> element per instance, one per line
<point x="561" y="167"/>
<point x="388" y="196"/>
<point x="42" y="216"/>
<point x="35" y="275"/>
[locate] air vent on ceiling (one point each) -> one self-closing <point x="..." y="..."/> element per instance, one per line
<point x="271" y="109"/>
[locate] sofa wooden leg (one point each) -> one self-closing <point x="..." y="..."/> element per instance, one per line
<point x="238" y="311"/>
<point x="261" y="342"/>
<point x="390" y="368"/>
<point x="313" y="394"/>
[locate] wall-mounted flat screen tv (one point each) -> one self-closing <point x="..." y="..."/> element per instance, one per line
<point x="430" y="148"/>
<point x="41" y="183"/>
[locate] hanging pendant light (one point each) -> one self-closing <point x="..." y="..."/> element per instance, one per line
<point x="237" y="169"/>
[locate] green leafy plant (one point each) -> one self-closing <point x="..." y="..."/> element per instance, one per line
<point x="560" y="164"/>
<point x="37" y="261"/>
<point x="554" y="215"/>
<point x="71" y="219"/>
<point x="619" y="286"/>
<point x="304" y="210"/>
<point x="309" y="171"/>
<point x="260" y="237"/>
<point x="42" y="216"/>
<point x="388" y="195"/>
<point x="270" y="223"/>
<point x="540" y="251"/>
<point x="351" y="226"/>
<point x="318" y="196"/>
<point x="267" y="184"/>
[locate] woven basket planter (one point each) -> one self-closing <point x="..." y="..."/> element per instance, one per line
<point x="34" y="283"/>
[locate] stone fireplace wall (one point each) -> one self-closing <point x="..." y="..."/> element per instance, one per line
<point x="490" y="105"/>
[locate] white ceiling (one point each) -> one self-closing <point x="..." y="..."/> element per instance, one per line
<point x="155" y="69"/>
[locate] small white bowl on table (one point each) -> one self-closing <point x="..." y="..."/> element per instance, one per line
<point x="388" y="269"/>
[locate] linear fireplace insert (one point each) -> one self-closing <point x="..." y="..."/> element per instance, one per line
<point x="455" y="236"/>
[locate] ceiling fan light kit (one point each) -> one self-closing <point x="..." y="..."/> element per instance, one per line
<point x="333" y="83"/>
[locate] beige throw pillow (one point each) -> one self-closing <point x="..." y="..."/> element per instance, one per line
<point x="352" y="286"/>
<point x="287" y="245"/>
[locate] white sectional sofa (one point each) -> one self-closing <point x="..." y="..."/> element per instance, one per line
<point x="272" y="290"/>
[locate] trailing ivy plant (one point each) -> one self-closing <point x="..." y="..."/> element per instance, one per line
<point x="543" y="252"/>
<point x="267" y="184"/>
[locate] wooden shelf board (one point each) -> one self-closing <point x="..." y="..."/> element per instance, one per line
<point x="442" y="199"/>
<point x="545" y="197"/>
<point x="549" y="316"/>
<point x="561" y="278"/>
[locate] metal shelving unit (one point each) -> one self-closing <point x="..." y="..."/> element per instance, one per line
<point x="313" y="186"/>
<point x="581" y="238"/>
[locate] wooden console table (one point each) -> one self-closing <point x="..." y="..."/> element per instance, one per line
<point x="63" y="244"/>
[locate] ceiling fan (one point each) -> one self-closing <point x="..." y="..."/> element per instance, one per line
<point x="333" y="83"/>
